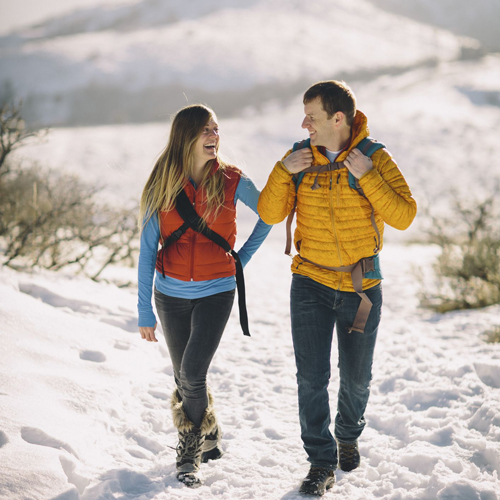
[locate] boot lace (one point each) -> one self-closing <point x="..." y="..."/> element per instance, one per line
<point x="348" y="452"/>
<point x="317" y="475"/>
<point x="189" y="447"/>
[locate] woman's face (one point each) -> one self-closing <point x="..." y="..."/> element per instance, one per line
<point x="206" y="146"/>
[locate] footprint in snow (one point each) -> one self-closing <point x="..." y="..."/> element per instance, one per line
<point x="159" y="395"/>
<point x="95" y="356"/>
<point x="74" y="478"/>
<point x="273" y="434"/>
<point x="3" y="439"/>
<point x="36" y="436"/>
<point x="121" y="346"/>
<point x="489" y="374"/>
<point x="127" y="323"/>
<point x="144" y="442"/>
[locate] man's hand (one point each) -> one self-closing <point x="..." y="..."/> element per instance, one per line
<point x="357" y="163"/>
<point x="148" y="333"/>
<point x="298" y="161"/>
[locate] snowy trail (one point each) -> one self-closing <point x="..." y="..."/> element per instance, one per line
<point x="85" y="402"/>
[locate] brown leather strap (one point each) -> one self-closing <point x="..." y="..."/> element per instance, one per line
<point x="365" y="305"/>
<point x="324" y="168"/>
<point x="357" y="271"/>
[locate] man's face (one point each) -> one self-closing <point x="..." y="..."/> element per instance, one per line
<point x="321" y="129"/>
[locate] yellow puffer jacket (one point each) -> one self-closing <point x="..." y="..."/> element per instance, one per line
<point x="333" y="222"/>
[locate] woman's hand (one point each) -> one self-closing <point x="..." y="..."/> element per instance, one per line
<point x="148" y="333"/>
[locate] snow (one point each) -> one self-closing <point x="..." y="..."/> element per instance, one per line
<point x="443" y="139"/>
<point x="478" y="19"/>
<point x="85" y="411"/>
<point x="209" y="52"/>
<point x="86" y="402"/>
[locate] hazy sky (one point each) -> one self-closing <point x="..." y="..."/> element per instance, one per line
<point x="18" y="13"/>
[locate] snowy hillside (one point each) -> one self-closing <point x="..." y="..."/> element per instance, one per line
<point x="129" y="16"/>
<point x="84" y="70"/>
<point x="478" y="19"/>
<point x="440" y="124"/>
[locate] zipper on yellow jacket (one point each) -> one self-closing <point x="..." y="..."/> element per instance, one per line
<point x="332" y="214"/>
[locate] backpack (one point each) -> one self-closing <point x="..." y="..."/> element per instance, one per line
<point x="367" y="146"/>
<point x="192" y="220"/>
<point x="358" y="271"/>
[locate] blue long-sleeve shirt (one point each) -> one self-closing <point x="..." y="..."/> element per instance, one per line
<point x="150" y="236"/>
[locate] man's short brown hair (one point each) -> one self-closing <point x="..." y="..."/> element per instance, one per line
<point x="335" y="96"/>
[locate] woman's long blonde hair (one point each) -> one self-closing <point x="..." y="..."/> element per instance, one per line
<point x="175" y="164"/>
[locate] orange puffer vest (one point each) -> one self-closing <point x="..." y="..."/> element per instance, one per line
<point x="193" y="257"/>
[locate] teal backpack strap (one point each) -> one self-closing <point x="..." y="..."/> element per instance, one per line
<point x="297" y="179"/>
<point x="306" y="143"/>
<point x="367" y="146"/>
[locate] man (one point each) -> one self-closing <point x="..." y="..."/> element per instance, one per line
<point x="336" y="276"/>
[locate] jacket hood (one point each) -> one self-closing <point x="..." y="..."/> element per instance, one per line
<point x="359" y="130"/>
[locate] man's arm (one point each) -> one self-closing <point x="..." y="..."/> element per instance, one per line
<point x="278" y="196"/>
<point x="387" y="190"/>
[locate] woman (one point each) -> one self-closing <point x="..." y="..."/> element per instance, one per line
<point x="195" y="278"/>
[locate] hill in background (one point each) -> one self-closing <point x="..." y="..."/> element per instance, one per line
<point x="141" y="62"/>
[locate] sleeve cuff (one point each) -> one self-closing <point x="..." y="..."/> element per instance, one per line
<point x="147" y="319"/>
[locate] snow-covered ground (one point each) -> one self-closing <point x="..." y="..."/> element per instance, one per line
<point x="85" y="402"/>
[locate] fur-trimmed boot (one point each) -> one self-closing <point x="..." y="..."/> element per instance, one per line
<point x="191" y="440"/>
<point x="212" y="449"/>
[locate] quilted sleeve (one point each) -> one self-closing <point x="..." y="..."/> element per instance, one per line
<point x="278" y="196"/>
<point x="387" y="190"/>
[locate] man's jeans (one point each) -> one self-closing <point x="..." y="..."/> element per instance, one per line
<point x="315" y="311"/>
<point x="193" y="329"/>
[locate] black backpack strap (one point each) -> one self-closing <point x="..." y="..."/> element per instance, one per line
<point x="172" y="238"/>
<point x="195" y="222"/>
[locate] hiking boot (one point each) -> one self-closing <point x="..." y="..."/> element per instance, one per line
<point x="191" y="440"/>
<point x="189" y="450"/>
<point x="317" y="481"/>
<point x="211" y="449"/>
<point x="190" y="479"/>
<point x="348" y="456"/>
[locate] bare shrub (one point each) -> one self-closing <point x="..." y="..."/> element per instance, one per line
<point x="493" y="335"/>
<point x="468" y="269"/>
<point x="54" y="220"/>
<point x="13" y="132"/>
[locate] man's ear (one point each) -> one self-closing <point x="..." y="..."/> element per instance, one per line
<point x="338" y="118"/>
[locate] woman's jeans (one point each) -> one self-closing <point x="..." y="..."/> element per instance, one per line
<point x="315" y="311"/>
<point x="193" y="329"/>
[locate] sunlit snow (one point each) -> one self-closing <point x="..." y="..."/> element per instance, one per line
<point x="84" y="402"/>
